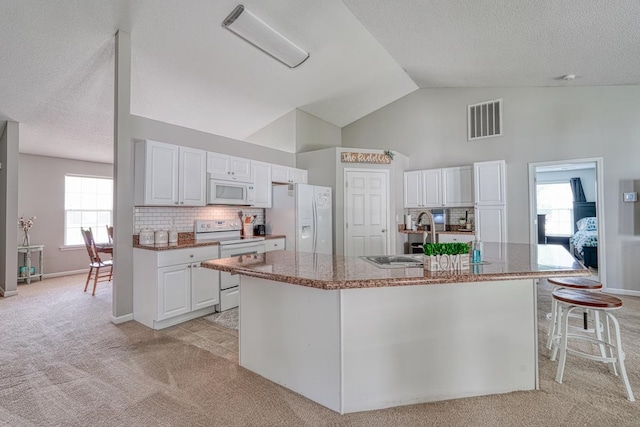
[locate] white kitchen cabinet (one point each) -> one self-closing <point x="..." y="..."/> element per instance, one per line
<point x="274" y="244"/>
<point x="261" y="184"/>
<point x="169" y="175"/>
<point x="457" y="186"/>
<point x="491" y="226"/>
<point x="287" y="175"/>
<point x="490" y="183"/>
<point x="171" y="287"/>
<point x="229" y="168"/>
<point x="455" y="237"/>
<point x="436" y="188"/>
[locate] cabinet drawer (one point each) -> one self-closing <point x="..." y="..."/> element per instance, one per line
<point x="274" y="245"/>
<point x="455" y="238"/>
<point x="184" y="256"/>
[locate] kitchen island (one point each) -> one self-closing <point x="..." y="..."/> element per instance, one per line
<point x="354" y="337"/>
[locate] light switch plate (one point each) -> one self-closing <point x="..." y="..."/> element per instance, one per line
<point x="630" y="197"/>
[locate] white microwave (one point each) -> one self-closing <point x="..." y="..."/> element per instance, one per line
<point x="229" y="193"/>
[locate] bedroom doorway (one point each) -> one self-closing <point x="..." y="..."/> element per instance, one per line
<point x="558" y="201"/>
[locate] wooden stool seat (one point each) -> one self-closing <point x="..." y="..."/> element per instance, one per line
<point x="568" y="300"/>
<point x="586" y="299"/>
<point x="575" y="283"/>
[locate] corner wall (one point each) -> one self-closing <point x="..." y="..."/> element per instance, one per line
<point x="9" y="147"/>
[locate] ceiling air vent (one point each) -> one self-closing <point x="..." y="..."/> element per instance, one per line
<point x="485" y="119"/>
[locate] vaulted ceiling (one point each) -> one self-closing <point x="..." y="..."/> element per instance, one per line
<point x="57" y="60"/>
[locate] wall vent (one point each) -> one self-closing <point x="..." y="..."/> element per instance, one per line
<point x="485" y="119"/>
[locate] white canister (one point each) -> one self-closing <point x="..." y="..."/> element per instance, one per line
<point x="161" y="237"/>
<point x="146" y="236"/>
<point x="408" y="223"/>
<point x="173" y="236"/>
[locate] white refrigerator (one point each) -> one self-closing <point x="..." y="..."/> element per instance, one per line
<point x="303" y="214"/>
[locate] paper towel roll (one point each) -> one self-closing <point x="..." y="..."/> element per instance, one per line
<point x="407" y="222"/>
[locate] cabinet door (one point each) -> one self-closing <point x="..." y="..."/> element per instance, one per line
<point x="205" y="287"/>
<point x="219" y="165"/>
<point x="192" y="177"/>
<point x="174" y="291"/>
<point x="241" y="169"/>
<point x="298" y="176"/>
<point x="161" y="174"/>
<point x="432" y="188"/>
<point x="279" y="174"/>
<point x="261" y="184"/>
<point x="489" y="179"/>
<point x="455" y="238"/>
<point x="413" y="189"/>
<point x="457" y="186"/>
<point x="491" y="226"/>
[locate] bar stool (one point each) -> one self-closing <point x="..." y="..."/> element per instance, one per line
<point x="570" y="283"/>
<point x="569" y="300"/>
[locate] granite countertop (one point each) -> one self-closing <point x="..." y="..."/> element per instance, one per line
<point x="521" y="261"/>
<point x="187" y="240"/>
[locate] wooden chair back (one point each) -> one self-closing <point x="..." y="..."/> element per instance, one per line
<point x="90" y="243"/>
<point x="110" y="234"/>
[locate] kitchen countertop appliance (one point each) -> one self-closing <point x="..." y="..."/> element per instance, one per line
<point x="227" y="234"/>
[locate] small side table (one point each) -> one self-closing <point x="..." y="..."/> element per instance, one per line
<point x="24" y="270"/>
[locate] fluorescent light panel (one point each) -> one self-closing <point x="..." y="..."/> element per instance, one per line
<point x="254" y="30"/>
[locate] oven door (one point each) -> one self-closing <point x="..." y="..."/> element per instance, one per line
<point x="229" y="193"/>
<point x="228" y="280"/>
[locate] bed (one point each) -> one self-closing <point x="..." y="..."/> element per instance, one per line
<point x="585" y="239"/>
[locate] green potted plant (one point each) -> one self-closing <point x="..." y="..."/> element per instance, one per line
<point x="446" y="256"/>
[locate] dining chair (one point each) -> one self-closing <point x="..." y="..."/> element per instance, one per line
<point x="110" y="234"/>
<point x="99" y="270"/>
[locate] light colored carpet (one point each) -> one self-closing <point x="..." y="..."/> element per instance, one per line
<point x="227" y="319"/>
<point x="63" y="363"/>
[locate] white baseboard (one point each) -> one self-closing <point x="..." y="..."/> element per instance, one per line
<point x="7" y="294"/>
<point x="121" y="319"/>
<point x="622" y="292"/>
<point x="65" y="273"/>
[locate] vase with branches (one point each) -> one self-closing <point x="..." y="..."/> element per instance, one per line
<point x="25" y="225"/>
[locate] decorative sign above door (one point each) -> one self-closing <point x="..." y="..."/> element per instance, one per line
<point x="352" y="157"/>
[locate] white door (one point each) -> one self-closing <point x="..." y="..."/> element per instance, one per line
<point x="457" y="186"/>
<point x="219" y="165"/>
<point x="298" y="176"/>
<point x="366" y="213"/>
<point x="174" y="291"/>
<point x="241" y="169"/>
<point x="261" y="184"/>
<point x="205" y="287"/>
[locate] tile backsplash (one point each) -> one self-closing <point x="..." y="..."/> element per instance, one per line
<point x="453" y="214"/>
<point x="183" y="218"/>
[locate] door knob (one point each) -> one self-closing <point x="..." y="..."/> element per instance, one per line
<point x="384" y="230"/>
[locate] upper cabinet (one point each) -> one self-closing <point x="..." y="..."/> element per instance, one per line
<point x="434" y="188"/>
<point x="262" y="184"/>
<point x="229" y="168"/>
<point x="287" y="175"/>
<point x="490" y="188"/>
<point x="169" y="175"/>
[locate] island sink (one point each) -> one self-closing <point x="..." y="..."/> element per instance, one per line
<point x="394" y="261"/>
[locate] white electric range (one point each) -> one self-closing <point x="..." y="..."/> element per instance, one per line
<point x="232" y="243"/>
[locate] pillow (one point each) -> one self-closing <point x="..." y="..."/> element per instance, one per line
<point x="588" y="224"/>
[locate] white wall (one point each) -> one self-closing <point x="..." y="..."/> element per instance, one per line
<point x="41" y="194"/>
<point x="540" y="124"/>
<point x="9" y="145"/>
<point x="279" y="134"/>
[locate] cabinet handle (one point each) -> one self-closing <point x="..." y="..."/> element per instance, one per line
<point x="182" y="203"/>
<point x="176" y="203"/>
<point x="191" y="256"/>
<point x="384" y="230"/>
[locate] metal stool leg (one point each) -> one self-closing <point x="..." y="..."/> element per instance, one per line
<point x="620" y="357"/>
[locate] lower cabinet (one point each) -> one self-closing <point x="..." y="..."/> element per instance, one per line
<point x="274" y="245"/>
<point x="455" y="238"/>
<point x="171" y="287"/>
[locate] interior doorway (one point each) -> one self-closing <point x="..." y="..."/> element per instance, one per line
<point x="565" y="209"/>
<point x="366" y="210"/>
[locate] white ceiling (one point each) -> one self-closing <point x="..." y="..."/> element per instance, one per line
<point x="57" y="60"/>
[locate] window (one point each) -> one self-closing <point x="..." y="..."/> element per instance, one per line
<point x="556" y="201"/>
<point x="88" y="203"/>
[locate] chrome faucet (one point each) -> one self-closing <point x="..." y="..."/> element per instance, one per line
<point x="432" y="226"/>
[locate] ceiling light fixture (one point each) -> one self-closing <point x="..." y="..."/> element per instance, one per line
<point x="254" y="30"/>
<point x="569" y="77"/>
